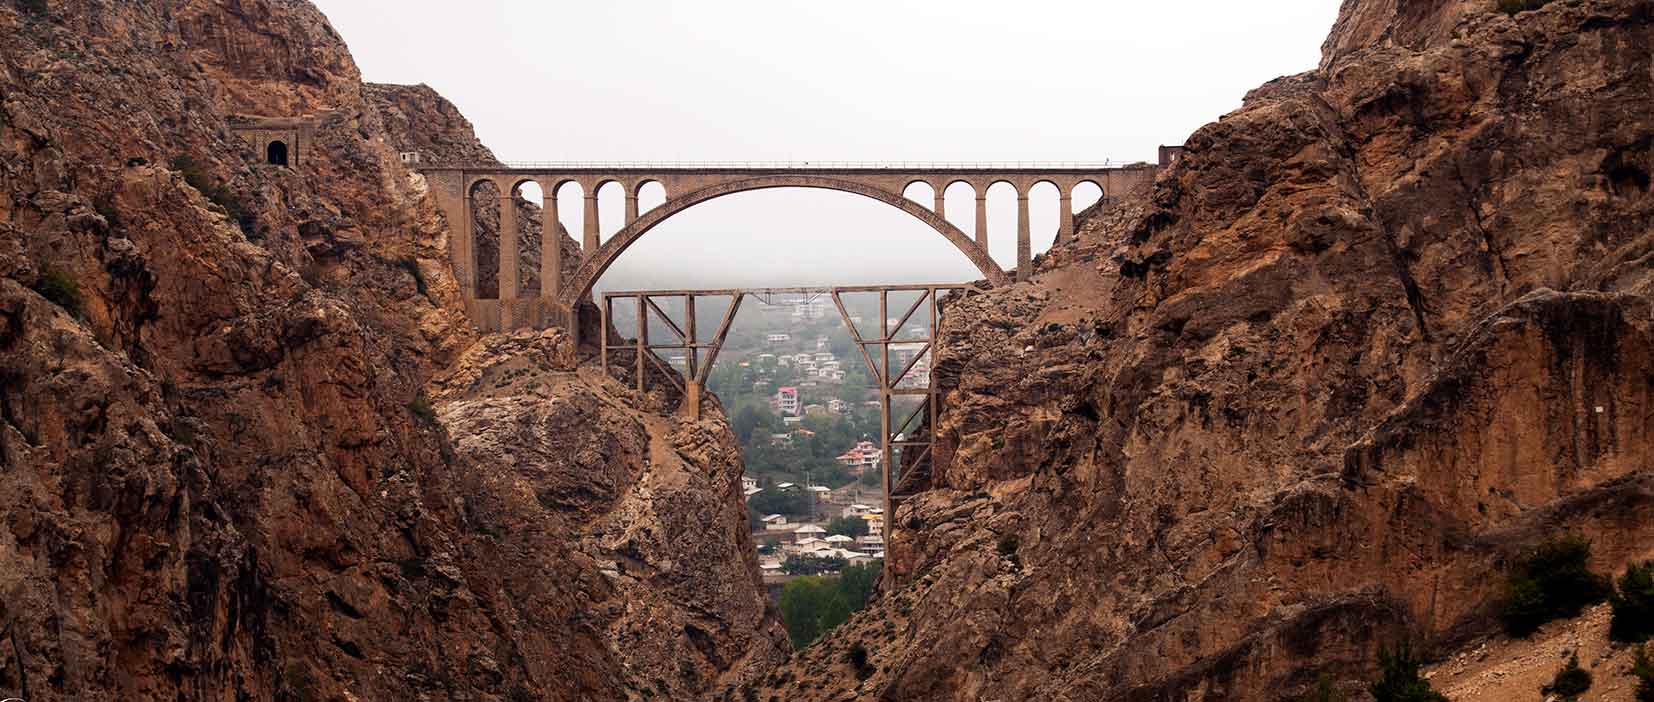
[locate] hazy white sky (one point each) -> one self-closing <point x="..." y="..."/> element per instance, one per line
<point x="892" y="80"/>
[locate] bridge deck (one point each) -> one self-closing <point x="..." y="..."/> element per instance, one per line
<point x="794" y="167"/>
<point x="801" y="290"/>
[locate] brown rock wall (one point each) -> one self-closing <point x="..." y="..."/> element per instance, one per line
<point x="1377" y="331"/>
<point x="219" y="476"/>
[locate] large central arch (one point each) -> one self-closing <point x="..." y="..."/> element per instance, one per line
<point x="599" y="261"/>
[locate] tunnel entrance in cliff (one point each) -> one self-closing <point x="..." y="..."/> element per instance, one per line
<point x="276" y="153"/>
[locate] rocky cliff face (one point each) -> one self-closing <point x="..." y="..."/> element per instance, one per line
<point x="1381" y="328"/>
<point x="219" y="476"/>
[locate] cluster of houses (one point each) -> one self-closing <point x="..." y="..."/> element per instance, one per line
<point x="821" y="366"/>
<point x="749" y="487"/>
<point x="811" y="539"/>
<point x="809" y="308"/>
<point x="862" y="456"/>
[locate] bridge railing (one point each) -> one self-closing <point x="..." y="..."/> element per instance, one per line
<point x="819" y="165"/>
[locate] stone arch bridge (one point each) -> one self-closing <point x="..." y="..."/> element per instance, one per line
<point x="687" y="185"/>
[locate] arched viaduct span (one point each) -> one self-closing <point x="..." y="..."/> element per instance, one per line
<point x="687" y="185"/>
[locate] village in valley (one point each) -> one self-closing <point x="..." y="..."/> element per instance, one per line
<point x="806" y="410"/>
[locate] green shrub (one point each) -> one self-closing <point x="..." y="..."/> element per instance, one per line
<point x="61" y="289"/>
<point x="1324" y="691"/>
<point x="421" y="408"/>
<point x="1554" y="581"/>
<point x="1399" y="681"/>
<point x="33" y="7"/>
<point x="1642" y="668"/>
<point x="1571" y="681"/>
<point x="1633" y="603"/>
<point x="1511" y="7"/>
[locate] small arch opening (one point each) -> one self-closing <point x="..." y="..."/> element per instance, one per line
<point x="1002" y="223"/>
<point x="611" y="209"/>
<point x="650" y="195"/>
<point x="276" y="153"/>
<point x="1085" y="195"/>
<point x="959" y="197"/>
<point x="1044" y="211"/>
<point x="922" y="193"/>
<point x="531" y="231"/>
<point x="571" y="209"/>
<point x="485" y="239"/>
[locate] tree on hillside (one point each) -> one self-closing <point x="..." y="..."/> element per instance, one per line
<point x="812" y="565"/>
<point x="857" y="581"/>
<point x="1399" y="679"/>
<point x="750" y="419"/>
<point x="772" y="501"/>
<point x="1633" y="603"/>
<point x="1552" y="581"/>
<point x="847" y="526"/>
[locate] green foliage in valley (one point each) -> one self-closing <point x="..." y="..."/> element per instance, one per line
<point x="813" y="605"/>
<point x="847" y="526"/>
<point x="806" y="564"/>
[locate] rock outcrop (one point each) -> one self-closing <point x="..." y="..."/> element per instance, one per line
<point x="221" y="477"/>
<point x="653" y="501"/>
<point x="1377" y="331"/>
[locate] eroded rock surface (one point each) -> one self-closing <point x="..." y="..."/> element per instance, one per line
<point x="1378" y="330"/>
<point x="655" y="501"/>
<point x="219" y="476"/>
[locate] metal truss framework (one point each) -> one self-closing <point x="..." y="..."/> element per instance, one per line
<point x="908" y="442"/>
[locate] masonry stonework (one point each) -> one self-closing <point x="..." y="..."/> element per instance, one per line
<point x="687" y="186"/>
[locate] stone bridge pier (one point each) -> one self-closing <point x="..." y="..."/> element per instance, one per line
<point x="687" y="185"/>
